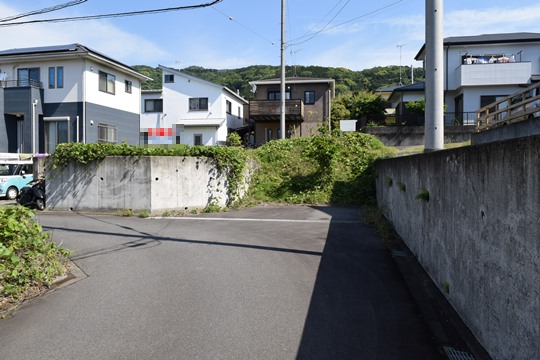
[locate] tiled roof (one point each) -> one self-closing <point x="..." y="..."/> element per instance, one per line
<point x="419" y="86"/>
<point x="69" y="49"/>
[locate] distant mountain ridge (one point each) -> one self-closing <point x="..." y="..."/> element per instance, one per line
<point x="346" y="80"/>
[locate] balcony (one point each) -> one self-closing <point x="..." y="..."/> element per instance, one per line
<point x="481" y="74"/>
<point x="270" y="110"/>
<point x="21" y="83"/>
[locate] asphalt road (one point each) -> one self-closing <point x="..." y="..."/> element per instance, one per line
<point x="274" y="282"/>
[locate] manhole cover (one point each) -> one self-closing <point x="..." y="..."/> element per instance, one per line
<point x="454" y="354"/>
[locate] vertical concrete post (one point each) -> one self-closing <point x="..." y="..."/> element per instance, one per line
<point x="434" y="111"/>
<point x="282" y="88"/>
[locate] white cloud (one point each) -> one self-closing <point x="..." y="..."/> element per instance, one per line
<point x="98" y="35"/>
<point x="493" y="20"/>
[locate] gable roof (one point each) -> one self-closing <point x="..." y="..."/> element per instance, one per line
<point x="209" y="83"/>
<point x="416" y="87"/>
<point x="66" y="51"/>
<point x="502" y="38"/>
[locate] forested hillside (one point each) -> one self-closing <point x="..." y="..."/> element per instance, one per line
<point x="346" y="80"/>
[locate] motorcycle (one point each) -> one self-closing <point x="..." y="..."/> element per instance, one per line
<point x="33" y="196"/>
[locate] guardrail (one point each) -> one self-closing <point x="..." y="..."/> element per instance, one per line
<point x="517" y="107"/>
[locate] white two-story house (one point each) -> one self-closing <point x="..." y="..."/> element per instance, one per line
<point x="189" y="110"/>
<point x="480" y="70"/>
<point x="69" y="93"/>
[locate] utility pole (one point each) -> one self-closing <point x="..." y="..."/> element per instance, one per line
<point x="434" y="110"/>
<point x="400" y="78"/>
<point x="282" y="90"/>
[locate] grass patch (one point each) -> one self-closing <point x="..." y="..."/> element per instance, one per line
<point x="29" y="260"/>
<point x="144" y="214"/>
<point x="419" y="149"/>
<point x="324" y="169"/>
<point x="124" y="213"/>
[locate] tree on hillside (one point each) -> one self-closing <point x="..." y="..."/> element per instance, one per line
<point x="347" y="81"/>
<point x="154" y="73"/>
<point x="358" y="105"/>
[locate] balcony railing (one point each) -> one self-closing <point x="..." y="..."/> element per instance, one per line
<point x="493" y="74"/>
<point x="21" y="83"/>
<point x="270" y="110"/>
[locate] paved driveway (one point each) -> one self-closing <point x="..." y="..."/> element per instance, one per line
<point x="273" y="282"/>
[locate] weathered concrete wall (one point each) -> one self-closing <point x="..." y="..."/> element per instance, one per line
<point x="478" y="235"/>
<point x="511" y="131"/>
<point x="414" y="135"/>
<point x="147" y="183"/>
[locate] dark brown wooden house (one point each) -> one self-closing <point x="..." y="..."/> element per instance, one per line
<point x="308" y="104"/>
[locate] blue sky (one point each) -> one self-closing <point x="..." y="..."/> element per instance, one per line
<point x="235" y="33"/>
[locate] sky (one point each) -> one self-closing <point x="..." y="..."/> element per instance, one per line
<point x="230" y="34"/>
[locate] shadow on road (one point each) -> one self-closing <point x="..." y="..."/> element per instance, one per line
<point x="360" y="307"/>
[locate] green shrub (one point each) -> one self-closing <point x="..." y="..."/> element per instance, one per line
<point x="143" y="214"/>
<point x="337" y="169"/>
<point x="233" y="139"/>
<point x="27" y="255"/>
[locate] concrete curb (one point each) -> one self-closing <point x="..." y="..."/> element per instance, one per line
<point x="445" y="324"/>
<point x="73" y="275"/>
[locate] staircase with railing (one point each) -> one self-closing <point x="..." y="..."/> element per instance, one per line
<point x="514" y="108"/>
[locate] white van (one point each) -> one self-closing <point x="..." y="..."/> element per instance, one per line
<point x="14" y="175"/>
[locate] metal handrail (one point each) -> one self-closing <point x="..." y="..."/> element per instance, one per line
<point x="21" y="83"/>
<point x="513" y="108"/>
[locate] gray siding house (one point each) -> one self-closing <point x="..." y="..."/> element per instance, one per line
<point x="68" y="93"/>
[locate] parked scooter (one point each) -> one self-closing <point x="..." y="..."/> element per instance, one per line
<point x="33" y="196"/>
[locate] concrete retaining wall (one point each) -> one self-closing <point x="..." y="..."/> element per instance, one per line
<point x="478" y="236"/>
<point x="414" y="135"/>
<point x="511" y="131"/>
<point x="154" y="183"/>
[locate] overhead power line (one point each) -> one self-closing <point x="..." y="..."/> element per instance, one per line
<point x="242" y="25"/>
<point x="43" y="11"/>
<point x="105" y="16"/>
<point x="312" y="35"/>
<point x="309" y="37"/>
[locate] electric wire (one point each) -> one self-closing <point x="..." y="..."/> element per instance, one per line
<point x="242" y="25"/>
<point x="311" y="36"/>
<point x="115" y="15"/>
<point x="44" y="11"/>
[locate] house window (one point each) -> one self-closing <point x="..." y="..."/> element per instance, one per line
<point x="56" y="132"/>
<point x="168" y="78"/>
<point x="52" y="77"/>
<point x="229" y="107"/>
<point x="268" y="135"/>
<point x="129" y="86"/>
<point x="197" y="139"/>
<point x="107" y="82"/>
<point x="28" y="76"/>
<point x="198" y="104"/>
<point x="153" y="105"/>
<point x="60" y="77"/>
<point x="309" y="97"/>
<point x="106" y="133"/>
<point x="56" y="77"/>
<point x="239" y="112"/>
<point x="276" y="95"/>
